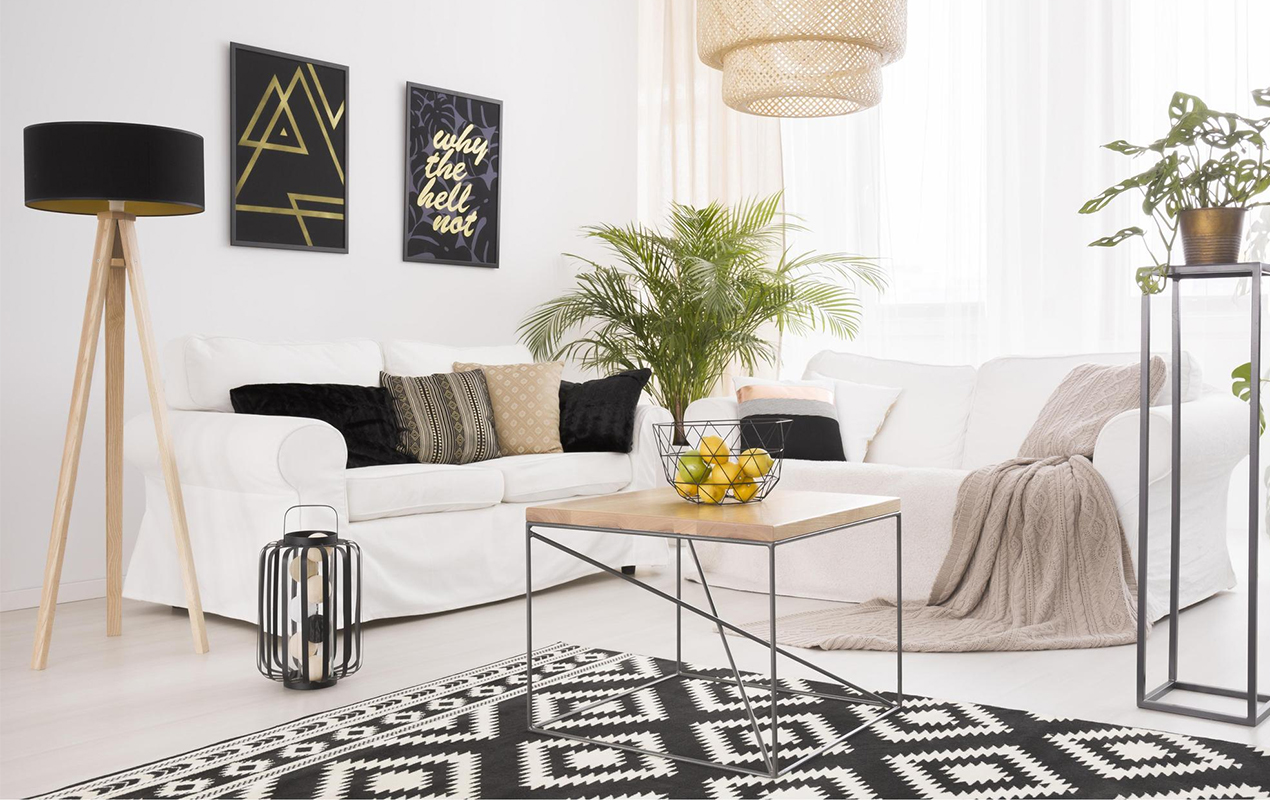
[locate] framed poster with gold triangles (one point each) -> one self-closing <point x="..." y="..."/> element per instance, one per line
<point x="289" y="151"/>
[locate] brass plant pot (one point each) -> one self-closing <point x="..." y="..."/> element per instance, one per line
<point x="1212" y="235"/>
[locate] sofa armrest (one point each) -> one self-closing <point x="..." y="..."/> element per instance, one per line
<point x="1214" y="440"/>
<point x="246" y="453"/>
<point x="646" y="470"/>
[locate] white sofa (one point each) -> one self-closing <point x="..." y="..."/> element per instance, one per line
<point x="949" y="420"/>
<point x="433" y="537"/>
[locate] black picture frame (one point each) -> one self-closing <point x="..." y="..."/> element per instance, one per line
<point x="324" y="107"/>
<point x="452" y="112"/>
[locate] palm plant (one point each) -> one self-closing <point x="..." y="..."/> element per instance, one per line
<point x="688" y="301"/>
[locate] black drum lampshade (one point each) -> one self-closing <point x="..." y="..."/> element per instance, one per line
<point x="80" y="167"/>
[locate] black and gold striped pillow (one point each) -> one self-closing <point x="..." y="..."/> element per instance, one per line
<point x="445" y="418"/>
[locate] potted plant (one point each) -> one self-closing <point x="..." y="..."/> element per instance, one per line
<point x="1210" y="165"/>
<point x="691" y="299"/>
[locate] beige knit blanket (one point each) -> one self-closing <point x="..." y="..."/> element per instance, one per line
<point x="1038" y="560"/>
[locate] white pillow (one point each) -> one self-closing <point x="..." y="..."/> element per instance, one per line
<point x="862" y="408"/>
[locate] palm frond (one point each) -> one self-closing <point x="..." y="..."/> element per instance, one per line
<point x="691" y="299"/>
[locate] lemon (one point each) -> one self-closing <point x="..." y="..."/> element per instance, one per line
<point x="712" y="493"/>
<point x="729" y="472"/>
<point x="715" y="487"/>
<point x="714" y="450"/>
<point x="686" y="489"/>
<point x="755" y="461"/>
<point x="745" y="490"/>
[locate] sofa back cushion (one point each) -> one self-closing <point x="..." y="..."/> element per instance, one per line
<point x="927" y="425"/>
<point x="199" y="371"/>
<point x="1012" y="390"/>
<point x="405" y="357"/>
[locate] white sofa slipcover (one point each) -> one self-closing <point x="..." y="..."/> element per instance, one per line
<point x="434" y="537"/>
<point x="951" y="420"/>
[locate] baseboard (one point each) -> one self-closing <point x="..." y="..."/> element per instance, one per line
<point x="14" y="599"/>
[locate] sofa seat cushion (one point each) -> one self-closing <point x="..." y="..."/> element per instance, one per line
<point x="859" y="564"/>
<point x="539" y="477"/>
<point x="399" y="490"/>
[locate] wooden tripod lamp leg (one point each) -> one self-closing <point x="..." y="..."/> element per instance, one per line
<point x="159" y="408"/>
<point x="74" y="438"/>
<point x="116" y="303"/>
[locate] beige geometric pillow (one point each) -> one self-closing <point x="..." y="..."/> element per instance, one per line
<point x="526" y="399"/>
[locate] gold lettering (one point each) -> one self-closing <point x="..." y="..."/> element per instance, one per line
<point x="455" y="200"/>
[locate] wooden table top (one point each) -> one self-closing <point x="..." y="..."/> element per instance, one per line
<point x="783" y="515"/>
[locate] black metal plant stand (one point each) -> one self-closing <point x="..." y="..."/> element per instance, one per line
<point x="1258" y="707"/>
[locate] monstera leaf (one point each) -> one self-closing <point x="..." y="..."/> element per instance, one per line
<point x="1118" y="237"/>
<point x="1241" y="386"/>
<point x="1124" y="148"/>
<point x="1138" y="181"/>
<point x="1183" y="104"/>
<point x="1223" y="132"/>
<point x="1152" y="280"/>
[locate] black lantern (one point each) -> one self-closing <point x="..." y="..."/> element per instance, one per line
<point x="310" y="607"/>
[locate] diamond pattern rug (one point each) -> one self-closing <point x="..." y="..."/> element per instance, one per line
<point x="464" y="736"/>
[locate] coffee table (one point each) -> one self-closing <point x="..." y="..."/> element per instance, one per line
<point x="784" y="518"/>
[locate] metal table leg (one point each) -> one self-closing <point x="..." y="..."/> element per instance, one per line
<point x="771" y="686"/>
<point x="529" y="625"/>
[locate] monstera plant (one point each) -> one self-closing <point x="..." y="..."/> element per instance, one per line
<point x="688" y="300"/>
<point x="1208" y="159"/>
<point x="1241" y="387"/>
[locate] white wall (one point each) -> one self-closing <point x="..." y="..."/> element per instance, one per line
<point x="564" y="70"/>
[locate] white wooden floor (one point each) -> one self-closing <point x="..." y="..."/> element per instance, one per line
<point x="108" y="704"/>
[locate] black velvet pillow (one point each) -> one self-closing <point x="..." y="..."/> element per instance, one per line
<point x="363" y="414"/>
<point x="599" y="416"/>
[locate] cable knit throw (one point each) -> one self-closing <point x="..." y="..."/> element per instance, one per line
<point x="1037" y="561"/>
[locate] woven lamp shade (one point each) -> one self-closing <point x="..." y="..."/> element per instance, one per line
<point x="801" y="58"/>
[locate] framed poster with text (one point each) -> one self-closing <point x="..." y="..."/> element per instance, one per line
<point x="289" y="143"/>
<point x="453" y="177"/>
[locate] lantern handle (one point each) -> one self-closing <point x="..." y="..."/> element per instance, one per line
<point x="334" y="513"/>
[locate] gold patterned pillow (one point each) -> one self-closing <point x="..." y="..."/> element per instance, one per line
<point x="526" y="399"/>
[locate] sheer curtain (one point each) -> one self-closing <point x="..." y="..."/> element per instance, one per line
<point x="692" y="148"/>
<point x="967" y="178"/>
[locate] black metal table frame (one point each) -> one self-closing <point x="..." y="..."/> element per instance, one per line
<point x="769" y="751"/>
<point x="1151" y="699"/>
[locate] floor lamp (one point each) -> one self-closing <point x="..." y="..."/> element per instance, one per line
<point x="118" y="172"/>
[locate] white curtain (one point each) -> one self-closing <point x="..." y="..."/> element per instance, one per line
<point x="968" y="176"/>
<point x="693" y="149"/>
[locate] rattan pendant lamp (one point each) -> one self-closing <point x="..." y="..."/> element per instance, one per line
<point x="801" y="58"/>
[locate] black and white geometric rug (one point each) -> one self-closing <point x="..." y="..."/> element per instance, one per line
<point x="464" y="736"/>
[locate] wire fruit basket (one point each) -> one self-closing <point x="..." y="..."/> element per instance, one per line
<point x="722" y="461"/>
